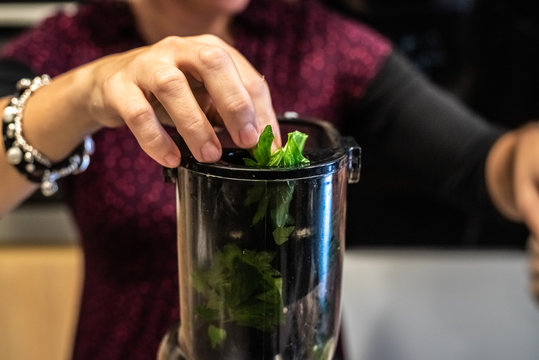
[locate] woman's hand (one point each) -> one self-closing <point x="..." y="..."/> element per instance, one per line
<point x="191" y="83"/>
<point x="513" y="182"/>
<point x="512" y="176"/>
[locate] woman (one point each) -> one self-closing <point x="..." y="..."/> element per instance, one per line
<point x="123" y="71"/>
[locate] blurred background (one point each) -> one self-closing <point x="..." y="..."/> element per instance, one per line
<point x="423" y="280"/>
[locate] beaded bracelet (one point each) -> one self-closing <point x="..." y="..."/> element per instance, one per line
<point x="35" y="166"/>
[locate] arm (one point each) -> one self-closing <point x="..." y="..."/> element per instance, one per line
<point x="184" y="82"/>
<point x="427" y="135"/>
<point x="449" y="149"/>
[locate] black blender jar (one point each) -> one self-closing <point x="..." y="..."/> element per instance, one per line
<point x="260" y="251"/>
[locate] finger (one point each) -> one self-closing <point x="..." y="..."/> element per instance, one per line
<point x="256" y="86"/>
<point x="206" y="104"/>
<point x="230" y="97"/>
<point x="170" y="86"/>
<point x="139" y="116"/>
<point x="215" y="68"/>
<point x="259" y="91"/>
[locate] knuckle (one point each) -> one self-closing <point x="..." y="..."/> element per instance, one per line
<point x="237" y="107"/>
<point x="138" y="115"/>
<point x="109" y="86"/>
<point x="213" y="57"/>
<point x="151" y="141"/>
<point x="256" y="86"/>
<point x="210" y="39"/>
<point x="166" y="80"/>
<point x="168" y="41"/>
<point x="192" y="124"/>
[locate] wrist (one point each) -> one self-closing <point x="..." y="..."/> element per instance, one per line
<point x="28" y="160"/>
<point x="55" y="117"/>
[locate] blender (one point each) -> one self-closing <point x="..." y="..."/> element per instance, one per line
<point x="260" y="251"/>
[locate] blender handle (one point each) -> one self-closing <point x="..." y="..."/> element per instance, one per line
<point x="354" y="159"/>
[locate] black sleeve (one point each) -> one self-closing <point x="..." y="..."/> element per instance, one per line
<point x="12" y="71"/>
<point x="409" y="124"/>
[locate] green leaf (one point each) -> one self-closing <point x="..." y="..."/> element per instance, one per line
<point x="217" y="335"/>
<point x="206" y="313"/>
<point x="261" y="210"/>
<point x="282" y="196"/>
<point x="279" y="196"/>
<point x="259" y="315"/>
<point x="281" y="234"/>
<point x="240" y="286"/>
<point x="290" y="155"/>
<point x="250" y="162"/>
<point x="293" y="150"/>
<point x="262" y="151"/>
<point x="323" y="351"/>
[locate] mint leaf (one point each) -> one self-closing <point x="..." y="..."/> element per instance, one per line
<point x="207" y="313"/>
<point x="239" y="286"/>
<point x="250" y="162"/>
<point x="258" y="194"/>
<point x="279" y="196"/>
<point x="282" y="196"/>
<point x="262" y="150"/>
<point x="290" y="155"/>
<point x="217" y="335"/>
<point x="293" y="150"/>
<point x="281" y="234"/>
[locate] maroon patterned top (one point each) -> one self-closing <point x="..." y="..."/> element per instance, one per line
<point x="315" y="62"/>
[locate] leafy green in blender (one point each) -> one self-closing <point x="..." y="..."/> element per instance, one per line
<point x="242" y="287"/>
<point x="289" y="156"/>
<point x="276" y="196"/>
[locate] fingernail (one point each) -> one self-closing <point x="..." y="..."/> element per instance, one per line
<point x="249" y="135"/>
<point x="172" y="160"/>
<point x="210" y="152"/>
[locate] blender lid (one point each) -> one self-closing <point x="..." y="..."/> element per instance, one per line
<point x="325" y="148"/>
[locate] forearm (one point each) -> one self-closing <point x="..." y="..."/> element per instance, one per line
<point x="57" y="116"/>
<point x="427" y="135"/>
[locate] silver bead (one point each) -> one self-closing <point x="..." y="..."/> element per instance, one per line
<point x="49" y="188"/>
<point x="14" y="156"/>
<point x="84" y="164"/>
<point x="9" y="113"/>
<point x="28" y="157"/>
<point x="30" y="168"/>
<point x="89" y="145"/>
<point x="10" y="132"/>
<point x="75" y="160"/>
<point x="23" y="84"/>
